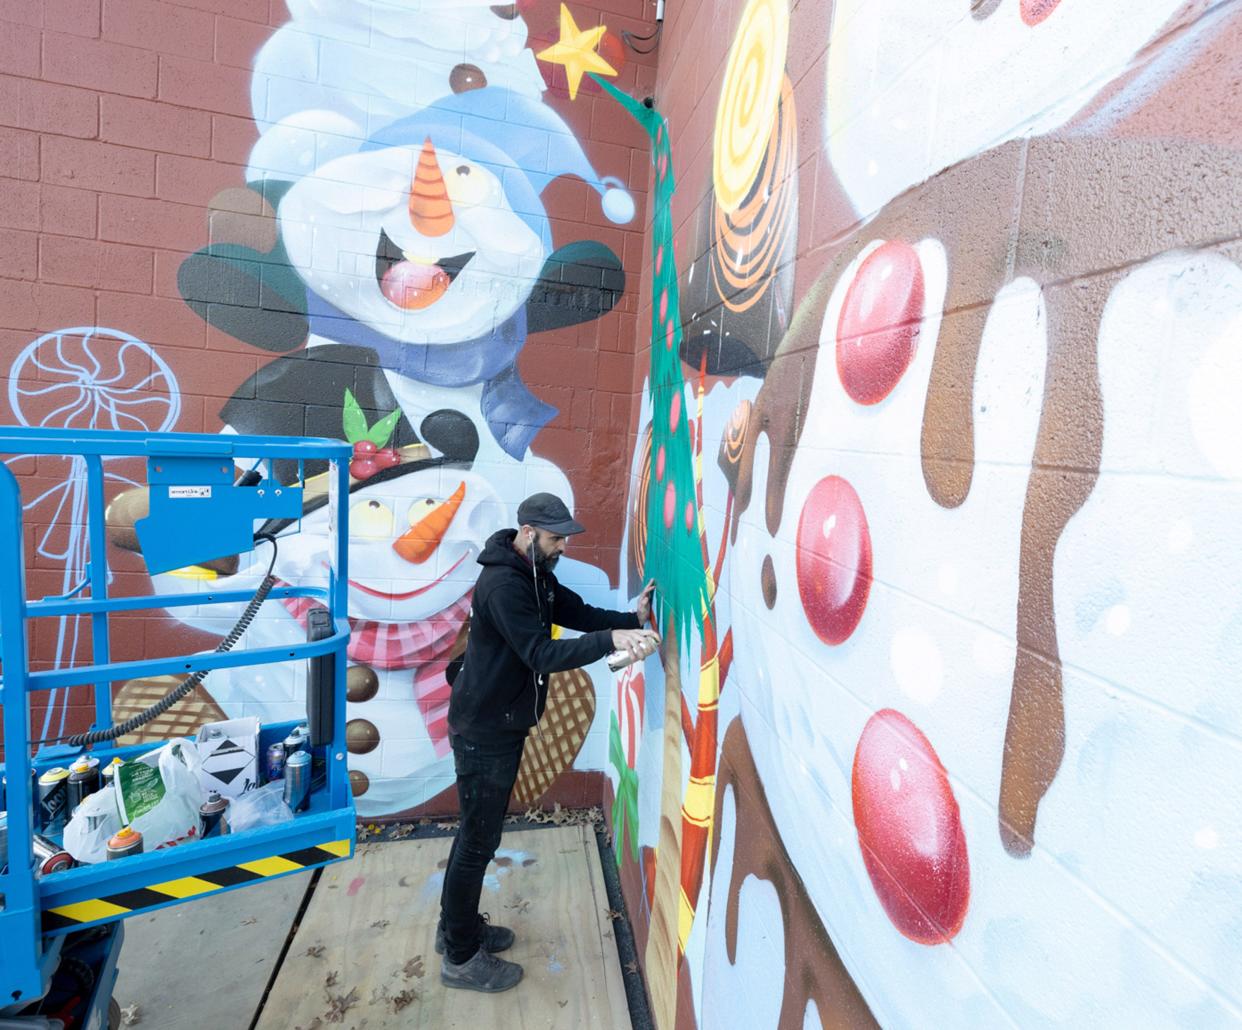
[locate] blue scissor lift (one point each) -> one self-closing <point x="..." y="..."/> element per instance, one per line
<point x="199" y="510"/>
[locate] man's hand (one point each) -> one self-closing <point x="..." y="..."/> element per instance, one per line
<point x="638" y="642"/>
<point x="644" y="603"/>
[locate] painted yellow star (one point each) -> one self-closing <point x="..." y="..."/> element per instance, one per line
<point x="576" y="51"/>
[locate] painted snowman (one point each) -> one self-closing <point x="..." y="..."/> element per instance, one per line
<point x="409" y="256"/>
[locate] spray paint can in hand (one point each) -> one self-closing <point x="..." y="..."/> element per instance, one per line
<point x="213" y="815"/>
<point x="125" y="842"/>
<point x="83" y="781"/>
<point x="297" y="780"/>
<point x="53" y="799"/>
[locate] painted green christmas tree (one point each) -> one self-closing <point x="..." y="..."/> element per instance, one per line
<point x="674" y="557"/>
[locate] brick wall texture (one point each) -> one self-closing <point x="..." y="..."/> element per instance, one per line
<point x="957" y="297"/>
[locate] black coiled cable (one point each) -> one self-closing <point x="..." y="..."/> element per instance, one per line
<point x="195" y="678"/>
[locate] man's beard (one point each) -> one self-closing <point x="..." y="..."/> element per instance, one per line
<point x="545" y="562"/>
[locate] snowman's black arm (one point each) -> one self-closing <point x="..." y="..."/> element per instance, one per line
<point x="578" y="283"/>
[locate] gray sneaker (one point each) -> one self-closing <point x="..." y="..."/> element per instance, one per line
<point x="491" y="938"/>
<point x="482" y="972"/>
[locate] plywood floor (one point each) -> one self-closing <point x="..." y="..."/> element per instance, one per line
<point x="364" y="953"/>
<point x="232" y="938"/>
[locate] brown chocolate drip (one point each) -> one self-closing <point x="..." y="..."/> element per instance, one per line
<point x="1064" y="471"/>
<point x="767" y="580"/>
<point x="948" y="444"/>
<point x="813" y="968"/>
<point x="980" y="10"/>
<point x="781" y="406"/>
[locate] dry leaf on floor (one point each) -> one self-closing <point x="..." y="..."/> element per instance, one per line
<point x="447" y="826"/>
<point x="631" y="967"/>
<point x="413" y="968"/>
<point x="403" y="882"/>
<point x="404" y="999"/>
<point x="249" y="922"/>
<point x="402" y="830"/>
<point x="612" y="914"/>
<point x="131" y="1015"/>
<point x="339" y="1004"/>
<point x="379" y="924"/>
<point x="562" y="1004"/>
<point x="331" y="978"/>
<point x="315" y="951"/>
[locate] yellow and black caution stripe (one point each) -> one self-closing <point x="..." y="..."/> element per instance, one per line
<point x="125" y="903"/>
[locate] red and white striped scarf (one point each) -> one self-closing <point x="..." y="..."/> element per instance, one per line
<point x="421" y="646"/>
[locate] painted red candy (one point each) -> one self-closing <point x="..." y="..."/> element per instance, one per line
<point x="833" y="559"/>
<point x="910" y="829"/>
<point x="878" y="329"/>
<point x="1035" y="11"/>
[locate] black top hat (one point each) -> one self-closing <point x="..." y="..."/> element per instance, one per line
<point x="319" y="391"/>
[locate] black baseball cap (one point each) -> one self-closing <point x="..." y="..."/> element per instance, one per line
<point x="548" y="512"/>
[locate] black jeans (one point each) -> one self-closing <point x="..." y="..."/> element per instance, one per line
<point x="486" y="773"/>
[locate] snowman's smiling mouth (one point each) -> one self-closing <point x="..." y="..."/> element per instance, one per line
<point x="411" y="283"/>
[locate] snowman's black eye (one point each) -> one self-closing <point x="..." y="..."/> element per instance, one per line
<point x="463" y="169"/>
<point x="373" y="504"/>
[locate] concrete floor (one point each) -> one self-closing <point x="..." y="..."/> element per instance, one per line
<point x="362" y="953"/>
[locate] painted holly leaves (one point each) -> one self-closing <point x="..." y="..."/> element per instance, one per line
<point x="371" y="450"/>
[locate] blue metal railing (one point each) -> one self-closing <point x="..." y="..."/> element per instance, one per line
<point x="29" y="947"/>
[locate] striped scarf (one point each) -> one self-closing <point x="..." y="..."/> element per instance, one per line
<point x="422" y="646"/>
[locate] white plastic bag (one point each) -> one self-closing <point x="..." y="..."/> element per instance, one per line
<point x="175" y="817"/>
<point x="95" y="820"/>
<point x="263" y="807"/>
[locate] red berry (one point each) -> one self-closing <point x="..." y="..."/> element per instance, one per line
<point x="364" y="447"/>
<point x="386" y="458"/>
<point x="363" y="468"/>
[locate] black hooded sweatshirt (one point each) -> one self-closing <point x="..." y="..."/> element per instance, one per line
<point x="502" y="686"/>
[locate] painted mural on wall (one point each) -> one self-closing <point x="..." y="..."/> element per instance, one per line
<point x="391" y="249"/>
<point x="977" y="731"/>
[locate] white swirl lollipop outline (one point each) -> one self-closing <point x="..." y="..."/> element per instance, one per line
<point x="101" y="397"/>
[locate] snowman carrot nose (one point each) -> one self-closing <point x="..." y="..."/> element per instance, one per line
<point x="431" y="210"/>
<point x="422" y="539"/>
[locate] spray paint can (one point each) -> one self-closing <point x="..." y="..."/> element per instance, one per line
<point x="53" y="796"/>
<point x="294" y="742"/>
<point x="83" y="781"/>
<point x="618" y="660"/>
<point x="108" y="773"/>
<point x="274" y="762"/>
<point x="50" y="857"/>
<point x="125" y="842"/>
<point x="297" y="780"/>
<point x="213" y="814"/>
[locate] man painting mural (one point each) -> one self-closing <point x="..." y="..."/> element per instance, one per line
<point x="498" y="694"/>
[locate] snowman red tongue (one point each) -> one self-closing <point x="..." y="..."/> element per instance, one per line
<point x="413" y="285"/>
